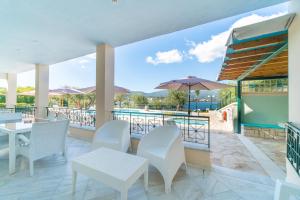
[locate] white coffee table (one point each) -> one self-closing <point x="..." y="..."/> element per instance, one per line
<point x="116" y="169"/>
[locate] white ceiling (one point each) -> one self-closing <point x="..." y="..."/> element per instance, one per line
<point x="52" y="31"/>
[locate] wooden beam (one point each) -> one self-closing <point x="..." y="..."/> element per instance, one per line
<point x="252" y="69"/>
<point x="254" y="52"/>
<point x="284" y="71"/>
<point x="241" y="64"/>
<point x="260" y="42"/>
<point x="244" y="60"/>
<point x="285" y="62"/>
<point x="268" y="75"/>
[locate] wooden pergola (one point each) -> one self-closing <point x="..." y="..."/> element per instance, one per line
<point x="255" y="52"/>
<point x="260" y="57"/>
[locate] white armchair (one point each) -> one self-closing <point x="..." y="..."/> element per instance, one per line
<point x="164" y="148"/>
<point x="284" y="191"/>
<point x="46" y="138"/>
<point x="113" y="134"/>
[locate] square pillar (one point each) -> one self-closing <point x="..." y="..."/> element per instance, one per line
<point x="294" y="80"/>
<point x="11" y="95"/>
<point x="294" y="61"/>
<point x="105" y="64"/>
<point x="41" y="89"/>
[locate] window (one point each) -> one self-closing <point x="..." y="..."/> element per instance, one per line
<point x="265" y="86"/>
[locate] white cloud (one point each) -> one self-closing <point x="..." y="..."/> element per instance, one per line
<point x="166" y="57"/>
<point x="208" y="51"/>
<point x="82" y="61"/>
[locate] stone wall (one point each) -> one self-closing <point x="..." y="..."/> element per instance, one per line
<point x="267" y="133"/>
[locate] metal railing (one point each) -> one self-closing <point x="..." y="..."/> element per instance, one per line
<point x="77" y="117"/>
<point x="27" y="111"/>
<point x="194" y="129"/>
<point x="293" y="146"/>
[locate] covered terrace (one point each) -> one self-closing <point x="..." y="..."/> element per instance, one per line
<point x="49" y="32"/>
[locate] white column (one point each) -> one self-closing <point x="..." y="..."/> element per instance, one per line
<point x="41" y="89"/>
<point x="11" y="95"/>
<point x="294" y="78"/>
<point x="105" y="61"/>
<point x="3" y="76"/>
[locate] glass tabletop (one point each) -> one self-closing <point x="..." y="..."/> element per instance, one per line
<point x="16" y="126"/>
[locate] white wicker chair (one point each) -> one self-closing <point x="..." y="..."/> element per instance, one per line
<point x="46" y="138"/>
<point x="113" y="134"/>
<point x="164" y="148"/>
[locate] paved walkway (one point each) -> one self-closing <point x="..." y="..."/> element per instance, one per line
<point x="273" y="170"/>
<point x="228" y="151"/>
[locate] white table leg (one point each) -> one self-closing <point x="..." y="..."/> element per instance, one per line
<point x="146" y="179"/>
<point x="74" y="179"/>
<point x="12" y="153"/>
<point x="124" y="194"/>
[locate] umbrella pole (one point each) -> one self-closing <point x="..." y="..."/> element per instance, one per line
<point x="189" y="105"/>
<point x="189" y="111"/>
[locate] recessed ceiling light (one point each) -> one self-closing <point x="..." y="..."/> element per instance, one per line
<point x="114" y="2"/>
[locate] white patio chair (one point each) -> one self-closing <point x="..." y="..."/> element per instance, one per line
<point x="284" y="191"/>
<point x="61" y="116"/>
<point x="113" y="134"/>
<point x="51" y="116"/>
<point x="164" y="148"/>
<point x="46" y="138"/>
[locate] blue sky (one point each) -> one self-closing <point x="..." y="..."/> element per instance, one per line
<point x="141" y="66"/>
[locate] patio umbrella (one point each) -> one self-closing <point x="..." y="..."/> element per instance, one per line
<point x="117" y="90"/>
<point x="63" y="91"/>
<point x="27" y="93"/>
<point x="32" y="93"/>
<point x="191" y="83"/>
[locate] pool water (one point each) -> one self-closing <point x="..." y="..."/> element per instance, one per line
<point x="192" y="121"/>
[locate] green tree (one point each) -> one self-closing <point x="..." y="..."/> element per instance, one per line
<point x="120" y="98"/>
<point x="77" y="100"/>
<point x="139" y="100"/>
<point x="227" y="95"/>
<point x="90" y="100"/>
<point x="24" y="89"/>
<point x="156" y="103"/>
<point x="176" y="97"/>
<point x="197" y="93"/>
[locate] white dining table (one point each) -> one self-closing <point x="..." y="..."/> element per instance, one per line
<point x="13" y="128"/>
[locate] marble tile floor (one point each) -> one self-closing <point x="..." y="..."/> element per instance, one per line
<point x="52" y="180"/>
<point x="274" y="149"/>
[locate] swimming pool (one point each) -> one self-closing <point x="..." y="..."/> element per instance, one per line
<point x="192" y="121"/>
<point x="179" y="118"/>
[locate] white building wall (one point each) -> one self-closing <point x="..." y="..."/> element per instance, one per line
<point x="294" y="77"/>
